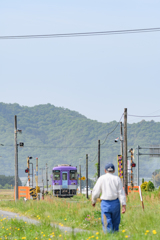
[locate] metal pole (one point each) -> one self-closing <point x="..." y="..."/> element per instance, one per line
<point x="121" y="140"/>
<point x="138" y="165"/>
<point x="80" y="187"/>
<point x="86" y="175"/>
<point x="125" y="153"/>
<point x="98" y="158"/>
<point x="28" y="171"/>
<point x="32" y="173"/>
<point x="16" y="158"/>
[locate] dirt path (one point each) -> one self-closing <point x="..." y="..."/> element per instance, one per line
<point x="10" y="215"/>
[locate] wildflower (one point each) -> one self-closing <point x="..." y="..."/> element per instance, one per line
<point x="44" y="235"/>
<point x="41" y="232"/>
<point x="65" y="219"/>
<point x="48" y="216"/>
<point x="65" y="231"/>
<point x="62" y="225"/>
<point x="9" y="233"/>
<point x="123" y="230"/>
<point x="126" y="236"/>
<point x="96" y="237"/>
<point x="60" y="235"/>
<point x="39" y="218"/>
<point x="25" y="222"/>
<point x="18" y="229"/>
<point x="59" y="223"/>
<point x="154" y="232"/>
<point x="97" y="233"/>
<point x="23" y="237"/>
<point x="145" y="233"/>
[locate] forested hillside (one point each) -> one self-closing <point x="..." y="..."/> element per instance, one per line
<point x="59" y="135"/>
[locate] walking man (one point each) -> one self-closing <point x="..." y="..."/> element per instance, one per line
<point x="112" y="194"/>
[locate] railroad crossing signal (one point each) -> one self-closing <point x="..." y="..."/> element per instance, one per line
<point x="26" y="170"/>
<point x="133" y="164"/>
<point x="82" y="178"/>
<point x="120" y="166"/>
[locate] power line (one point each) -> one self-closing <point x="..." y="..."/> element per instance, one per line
<point x="142" y="116"/>
<point x="112" y="130"/>
<point x="82" y="34"/>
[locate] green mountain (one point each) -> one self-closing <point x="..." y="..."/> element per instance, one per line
<point x="58" y="135"/>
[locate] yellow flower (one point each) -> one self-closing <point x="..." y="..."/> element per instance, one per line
<point x="65" y="231"/>
<point x="25" y="222"/>
<point x="36" y="238"/>
<point x="92" y="236"/>
<point x="60" y="235"/>
<point x="146" y="233"/>
<point x="39" y="218"/>
<point x="9" y="233"/>
<point x="59" y="223"/>
<point x="23" y="237"/>
<point x="97" y="233"/>
<point x="18" y="229"/>
<point x="96" y="237"/>
<point x="48" y="216"/>
<point x="126" y="236"/>
<point x="62" y="225"/>
<point x="123" y="230"/>
<point x="44" y="235"/>
<point x="65" y="219"/>
<point x="41" y="232"/>
<point x="154" y="232"/>
<point x="2" y="227"/>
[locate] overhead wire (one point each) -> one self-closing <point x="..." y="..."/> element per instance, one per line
<point x="81" y="34"/>
<point x="130" y="115"/>
<point x="112" y="130"/>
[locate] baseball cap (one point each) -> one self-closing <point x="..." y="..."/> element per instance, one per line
<point x="109" y="167"/>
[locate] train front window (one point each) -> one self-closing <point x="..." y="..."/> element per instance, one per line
<point x="73" y="175"/>
<point x="64" y="176"/>
<point x="56" y="174"/>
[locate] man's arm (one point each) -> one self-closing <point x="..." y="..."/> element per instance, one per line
<point x="96" y="192"/>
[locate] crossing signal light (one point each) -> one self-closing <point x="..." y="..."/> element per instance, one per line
<point x="21" y="144"/>
<point x="27" y="170"/>
<point x="133" y="164"/>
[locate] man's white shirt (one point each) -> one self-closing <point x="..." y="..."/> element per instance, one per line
<point x="111" y="188"/>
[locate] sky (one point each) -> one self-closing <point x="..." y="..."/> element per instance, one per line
<point x="96" y="76"/>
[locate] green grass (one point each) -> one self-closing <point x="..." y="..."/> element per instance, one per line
<point x="78" y="213"/>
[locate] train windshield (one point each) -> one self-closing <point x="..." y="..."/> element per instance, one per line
<point x="56" y="174"/>
<point x="73" y="174"/>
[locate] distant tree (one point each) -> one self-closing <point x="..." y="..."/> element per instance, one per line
<point x="10" y="180"/>
<point x="142" y="180"/>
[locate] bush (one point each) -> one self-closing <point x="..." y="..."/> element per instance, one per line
<point x="144" y="186"/>
<point x="150" y="186"/>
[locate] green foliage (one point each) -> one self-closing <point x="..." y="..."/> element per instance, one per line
<point x="150" y="186"/>
<point x="7" y="181"/>
<point x="142" y="180"/>
<point x="144" y="186"/>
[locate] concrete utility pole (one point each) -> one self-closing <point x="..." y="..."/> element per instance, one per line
<point x="16" y="158"/>
<point x="125" y="153"/>
<point x="80" y="187"/>
<point x="121" y="140"/>
<point x="86" y="175"/>
<point x="98" y="158"/>
<point x="138" y="165"/>
<point x="47" y="177"/>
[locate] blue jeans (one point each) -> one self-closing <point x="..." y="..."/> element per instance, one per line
<point x="110" y="215"/>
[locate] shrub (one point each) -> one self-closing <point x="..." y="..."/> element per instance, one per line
<point x="144" y="186"/>
<point x="150" y="186"/>
<point x="142" y="180"/>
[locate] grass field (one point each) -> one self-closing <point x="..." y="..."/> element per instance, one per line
<point x="77" y="212"/>
<point x="6" y="194"/>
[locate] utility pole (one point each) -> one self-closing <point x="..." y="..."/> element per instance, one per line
<point x="98" y="158"/>
<point x="125" y="153"/>
<point x="47" y="177"/>
<point x="80" y="187"/>
<point x="138" y="165"/>
<point x="86" y="175"/>
<point x="121" y="140"/>
<point x="37" y="176"/>
<point x="16" y="158"/>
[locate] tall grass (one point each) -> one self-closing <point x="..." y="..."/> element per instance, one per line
<point x="78" y="213"/>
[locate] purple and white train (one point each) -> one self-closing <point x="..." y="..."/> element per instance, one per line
<point x="64" y="180"/>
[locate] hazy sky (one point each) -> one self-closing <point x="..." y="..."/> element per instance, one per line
<point x="96" y="76"/>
